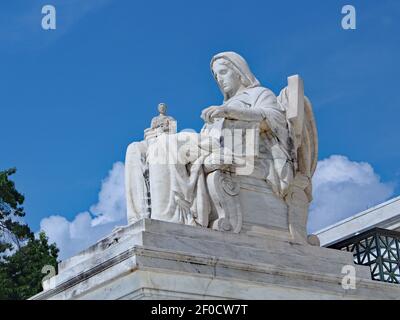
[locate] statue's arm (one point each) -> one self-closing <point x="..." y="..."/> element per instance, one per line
<point x="274" y="118"/>
<point x="265" y="109"/>
<point x="235" y="112"/>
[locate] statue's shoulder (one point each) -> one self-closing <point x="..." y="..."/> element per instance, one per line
<point x="261" y="95"/>
<point x="260" y="91"/>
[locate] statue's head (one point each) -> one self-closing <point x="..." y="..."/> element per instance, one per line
<point x="227" y="77"/>
<point x="232" y="73"/>
<point x="162" y="108"/>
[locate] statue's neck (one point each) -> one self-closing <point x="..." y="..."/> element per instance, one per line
<point x="232" y="94"/>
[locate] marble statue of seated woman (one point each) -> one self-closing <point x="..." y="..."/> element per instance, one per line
<point x="166" y="174"/>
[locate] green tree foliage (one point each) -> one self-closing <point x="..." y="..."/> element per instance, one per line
<point x="12" y="231"/>
<point x="21" y="273"/>
<point x="21" y="267"/>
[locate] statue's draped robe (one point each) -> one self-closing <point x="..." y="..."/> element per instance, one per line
<point x="176" y="178"/>
<point x="274" y="162"/>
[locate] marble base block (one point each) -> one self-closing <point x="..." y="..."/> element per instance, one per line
<point x="153" y="259"/>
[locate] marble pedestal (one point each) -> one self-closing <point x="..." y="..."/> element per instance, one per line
<point x="153" y="259"/>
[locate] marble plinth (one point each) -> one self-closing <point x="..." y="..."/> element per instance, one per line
<point x="153" y="259"/>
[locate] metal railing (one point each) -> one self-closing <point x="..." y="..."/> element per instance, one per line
<point x="377" y="248"/>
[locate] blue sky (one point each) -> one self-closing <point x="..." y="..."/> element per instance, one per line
<point x="73" y="98"/>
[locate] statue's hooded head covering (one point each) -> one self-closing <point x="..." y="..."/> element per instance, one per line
<point x="240" y="66"/>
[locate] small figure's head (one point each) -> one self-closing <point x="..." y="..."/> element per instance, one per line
<point x="162" y="108"/>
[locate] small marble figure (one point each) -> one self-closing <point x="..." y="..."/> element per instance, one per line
<point x="161" y="123"/>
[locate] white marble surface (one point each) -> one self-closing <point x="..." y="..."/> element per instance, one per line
<point x="154" y="259"/>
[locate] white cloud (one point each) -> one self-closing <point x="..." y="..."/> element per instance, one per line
<point x="111" y="206"/>
<point x="342" y="188"/>
<point x="90" y="226"/>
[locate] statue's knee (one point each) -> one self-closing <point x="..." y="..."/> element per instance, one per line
<point x="134" y="147"/>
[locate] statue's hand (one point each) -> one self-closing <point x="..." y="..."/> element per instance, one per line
<point x="210" y="113"/>
<point x="205" y="114"/>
